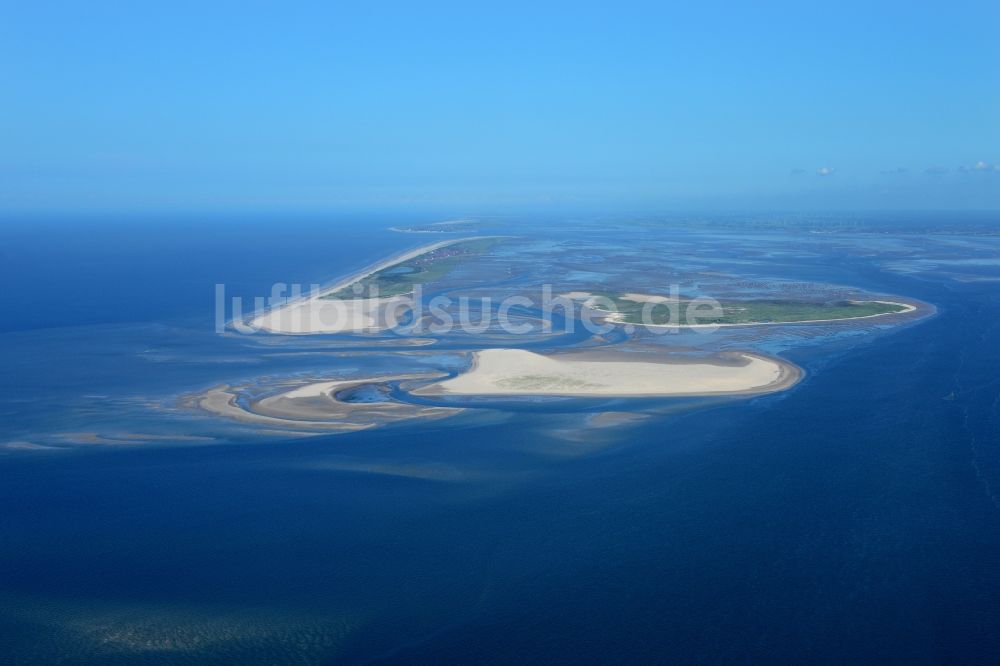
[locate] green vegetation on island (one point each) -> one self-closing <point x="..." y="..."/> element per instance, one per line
<point x="757" y="311"/>
<point x="401" y="278"/>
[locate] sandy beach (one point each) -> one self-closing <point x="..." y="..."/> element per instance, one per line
<point x="313" y="314"/>
<point x="520" y="372"/>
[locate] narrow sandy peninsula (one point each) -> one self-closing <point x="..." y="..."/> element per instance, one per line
<point x="317" y="314"/>
<point x="513" y="372"/>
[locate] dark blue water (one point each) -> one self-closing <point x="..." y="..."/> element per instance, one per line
<point x="61" y="273"/>
<point x="854" y="519"/>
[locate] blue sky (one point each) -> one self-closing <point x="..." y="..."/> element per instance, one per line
<point x="138" y="106"/>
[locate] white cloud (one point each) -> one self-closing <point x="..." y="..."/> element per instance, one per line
<point x="981" y="166"/>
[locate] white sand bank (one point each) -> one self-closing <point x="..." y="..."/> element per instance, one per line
<point x="318" y="315"/>
<point x="520" y="372"/>
<point x="314" y="314"/>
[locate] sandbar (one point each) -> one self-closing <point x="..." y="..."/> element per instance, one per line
<point x="316" y="406"/>
<point x="519" y="372"/>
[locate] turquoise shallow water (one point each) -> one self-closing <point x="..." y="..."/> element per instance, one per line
<point x="852" y="519"/>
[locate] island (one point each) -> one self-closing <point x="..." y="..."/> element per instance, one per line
<point x="472" y="364"/>
<point x="655" y="310"/>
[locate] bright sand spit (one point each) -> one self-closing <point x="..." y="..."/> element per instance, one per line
<point x="520" y="372"/>
<point x="315" y="315"/>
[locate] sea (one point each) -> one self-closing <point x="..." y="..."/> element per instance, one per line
<point x="852" y="519"/>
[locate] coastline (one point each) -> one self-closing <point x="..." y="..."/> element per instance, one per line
<point x="307" y="314"/>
